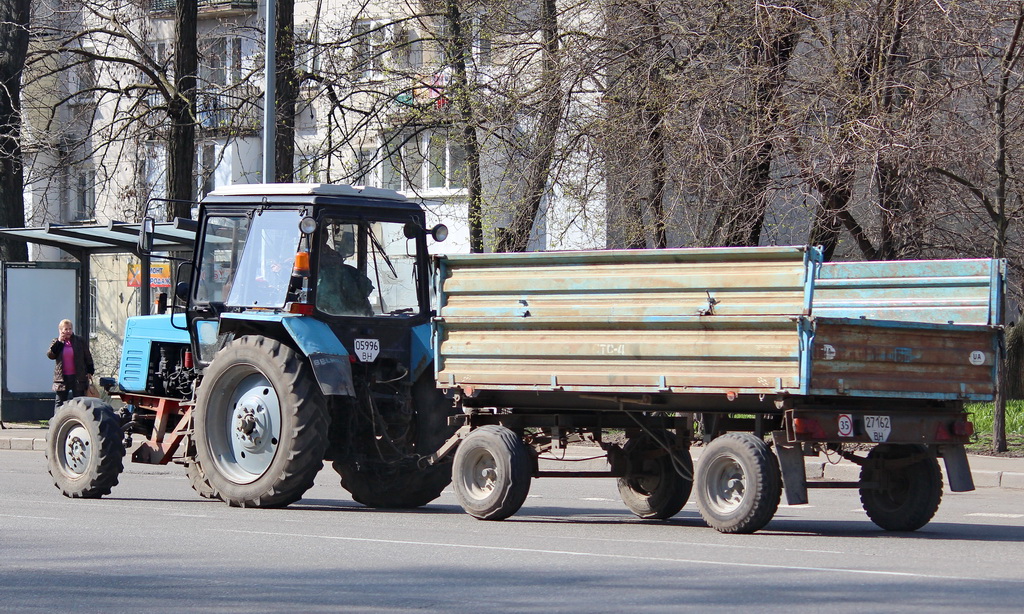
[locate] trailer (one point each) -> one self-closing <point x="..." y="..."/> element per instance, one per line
<point x="761" y="355"/>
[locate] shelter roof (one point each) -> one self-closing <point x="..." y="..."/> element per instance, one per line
<point x="113" y="237"/>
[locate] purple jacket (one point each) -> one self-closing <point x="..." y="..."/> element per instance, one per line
<point x="83" y="361"/>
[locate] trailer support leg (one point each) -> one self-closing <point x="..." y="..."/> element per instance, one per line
<point x="794" y="475"/>
<point x="958" y="470"/>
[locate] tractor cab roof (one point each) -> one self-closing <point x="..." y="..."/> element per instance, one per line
<point x="319" y="194"/>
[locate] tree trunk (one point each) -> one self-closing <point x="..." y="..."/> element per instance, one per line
<point x="458" y="49"/>
<point x="181" y="111"/>
<point x="14" y="16"/>
<point x="828" y="218"/>
<point x="740" y="223"/>
<point x="287" y="93"/>
<point x="524" y="214"/>
<point x="1007" y="65"/>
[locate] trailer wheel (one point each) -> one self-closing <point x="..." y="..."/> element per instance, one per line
<point x="655" y="488"/>
<point x="739" y="483"/>
<point x="491" y="473"/>
<point x="84" y="448"/>
<point x="260" y="424"/>
<point x="897" y="493"/>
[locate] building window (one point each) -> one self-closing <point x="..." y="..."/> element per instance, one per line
<point x="207" y="168"/>
<point x="221" y="64"/>
<point x="94" y="308"/>
<point x="476" y="34"/>
<point x="402" y="167"/>
<point x="306" y="59"/>
<point x="365" y="172"/>
<point x="408" y="49"/>
<point x="82" y="194"/>
<point x="307" y="168"/>
<point x="428" y="159"/>
<point x="82" y="81"/>
<point x="368" y="48"/>
<point x="481" y="41"/>
<point x="447" y="166"/>
<point x="156" y="169"/>
<point x="378" y="46"/>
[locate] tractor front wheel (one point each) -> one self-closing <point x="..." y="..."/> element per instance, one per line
<point x="84" y="448"/>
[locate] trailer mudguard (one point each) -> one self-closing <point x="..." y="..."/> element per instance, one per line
<point x="327" y="355"/>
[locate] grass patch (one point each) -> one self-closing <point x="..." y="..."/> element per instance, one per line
<point x="982" y="414"/>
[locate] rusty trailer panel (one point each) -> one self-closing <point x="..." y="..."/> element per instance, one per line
<point x="704" y="320"/>
<point x="927" y="291"/>
<point x="897" y="359"/>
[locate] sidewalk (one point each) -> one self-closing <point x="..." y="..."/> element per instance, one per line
<point x="988" y="471"/>
<point x="22" y="437"/>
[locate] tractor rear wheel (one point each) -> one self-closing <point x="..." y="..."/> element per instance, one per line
<point x="403" y="483"/>
<point x="260" y="424"/>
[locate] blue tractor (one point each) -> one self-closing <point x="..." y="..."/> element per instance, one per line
<point x="301" y="335"/>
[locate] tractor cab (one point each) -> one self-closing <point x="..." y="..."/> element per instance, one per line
<point x="354" y="259"/>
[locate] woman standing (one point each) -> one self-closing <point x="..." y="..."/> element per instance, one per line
<point x="73" y="366"/>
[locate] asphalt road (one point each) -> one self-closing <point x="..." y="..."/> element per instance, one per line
<point x="153" y="545"/>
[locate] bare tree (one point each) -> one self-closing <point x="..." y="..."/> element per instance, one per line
<point x="767" y="47"/>
<point x="14" y="22"/>
<point x="287" y="89"/>
<point x="181" y="110"/>
<point x="457" y="47"/>
<point x="99" y="55"/>
<point x="549" y="108"/>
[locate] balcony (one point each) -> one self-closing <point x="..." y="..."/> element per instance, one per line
<point x="207" y="8"/>
<point x="238" y="112"/>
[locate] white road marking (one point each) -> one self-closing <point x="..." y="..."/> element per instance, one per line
<point x="29" y="517"/>
<point x="704" y="545"/>
<point x="596" y="499"/>
<point x="994" y="515"/>
<point x="630" y="557"/>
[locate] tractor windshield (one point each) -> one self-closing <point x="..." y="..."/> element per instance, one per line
<point x="366" y="269"/>
<point x="223" y="241"/>
<point x="265" y="267"/>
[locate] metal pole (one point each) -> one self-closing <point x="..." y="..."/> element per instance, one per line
<point x="270" y="93"/>
<point x="144" y="281"/>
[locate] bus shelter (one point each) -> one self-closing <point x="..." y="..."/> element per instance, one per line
<point x="34" y="296"/>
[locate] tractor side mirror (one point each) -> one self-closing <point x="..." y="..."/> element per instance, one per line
<point x="146" y="230"/>
<point x="181" y="291"/>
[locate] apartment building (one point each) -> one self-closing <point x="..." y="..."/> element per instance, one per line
<point x="373" y="107"/>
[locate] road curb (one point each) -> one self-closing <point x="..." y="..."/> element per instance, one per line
<point x="22" y="443"/>
<point x="849" y="472"/>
